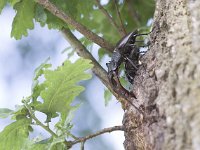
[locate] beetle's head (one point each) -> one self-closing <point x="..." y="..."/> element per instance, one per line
<point x="127" y="40"/>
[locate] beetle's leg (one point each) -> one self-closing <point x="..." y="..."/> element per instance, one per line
<point x="140" y="34"/>
<point x="110" y="77"/>
<point x="129" y="76"/>
<point x="133" y="45"/>
<point x="130" y="61"/>
<point x="140" y="41"/>
<point x="114" y="79"/>
<point x="110" y="73"/>
<point x="121" y="90"/>
<point x="142" y="52"/>
<point x="131" y="71"/>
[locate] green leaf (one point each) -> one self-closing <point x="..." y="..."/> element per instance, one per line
<point x="58" y="144"/>
<point x="107" y="96"/>
<point x="23" y="19"/>
<point x="39" y="71"/>
<point x="14" y="135"/>
<point x="88" y="44"/>
<point x="70" y="52"/>
<point x="39" y="147"/>
<point x="54" y="22"/>
<point x="66" y="49"/>
<point x="37" y="144"/>
<point x="20" y="113"/>
<point x="61" y="86"/>
<point x="46" y="144"/>
<point x="13" y="2"/>
<point x="124" y="82"/>
<point x="101" y="53"/>
<point x="2" y="4"/>
<point x="45" y="17"/>
<point x="40" y="15"/>
<point x="64" y="125"/>
<point x="5" y="112"/>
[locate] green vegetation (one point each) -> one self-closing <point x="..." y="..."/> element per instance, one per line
<point x="54" y="95"/>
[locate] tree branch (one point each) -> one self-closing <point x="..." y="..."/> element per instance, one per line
<point x="105" y="130"/>
<point x="105" y="12"/>
<point x="83" y="52"/>
<point x="79" y="27"/>
<point x="98" y="70"/>
<point x="120" y="19"/>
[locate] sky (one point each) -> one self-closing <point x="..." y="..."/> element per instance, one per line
<point x="18" y="59"/>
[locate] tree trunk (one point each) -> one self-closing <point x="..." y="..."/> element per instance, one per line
<point x="168" y="82"/>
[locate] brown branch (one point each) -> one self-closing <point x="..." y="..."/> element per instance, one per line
<point x="98" y="70"/>
<point x="105" y="130"/>
<point x="83" y="52"/>
<point x="79" y="27"/>
<point x="120" y="19"/>
<point x="112" y="21"/>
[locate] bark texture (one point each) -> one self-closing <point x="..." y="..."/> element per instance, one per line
<point x="168" y="83"/>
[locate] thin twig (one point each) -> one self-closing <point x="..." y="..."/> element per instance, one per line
<point x="112" y="21"/>
<point x="73" y="136"/>
<point x="105" y="130"/>
<point x="38" y="122"/>
<point x="78" y="26"/>
<point x="119" y="16"/>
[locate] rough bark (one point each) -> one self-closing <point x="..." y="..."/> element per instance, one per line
<point x="168" y="83"/>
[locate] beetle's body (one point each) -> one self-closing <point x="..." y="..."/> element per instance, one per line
<point x="131" y="65"/>
<point x="128" y="53"/>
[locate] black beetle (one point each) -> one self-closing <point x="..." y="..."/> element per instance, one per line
<point x="128" y="53"/>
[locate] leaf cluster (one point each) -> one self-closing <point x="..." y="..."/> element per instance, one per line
<point x="53" y="97"/>
<point x="134" y="14"/>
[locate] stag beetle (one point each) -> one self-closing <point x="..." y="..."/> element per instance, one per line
<point x="128" y="53"/>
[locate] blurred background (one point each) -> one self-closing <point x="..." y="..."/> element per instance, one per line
<point x="19" y="59"/>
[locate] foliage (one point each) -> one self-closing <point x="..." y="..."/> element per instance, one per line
<point x="15" y="135"/>
<point x="107" y="96"/>
<point x="62" y="88"/>
<point x="23" y="21"/>
<point x="85" y="12"/>
<point x="5" y="112"/>
<point x="57" y="92"/>
<point x="53" y="91"/>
